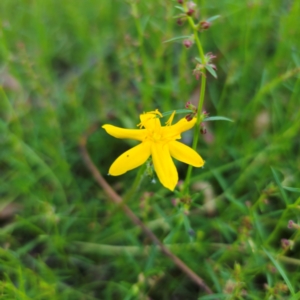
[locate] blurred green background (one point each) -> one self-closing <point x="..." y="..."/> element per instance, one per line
<point x="65" y="65"/>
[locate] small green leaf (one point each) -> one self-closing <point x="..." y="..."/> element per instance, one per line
<point x="207" y="67"/>
<point x="188" y="228"/>
<point x="281" y="271"/>
<point x="213" y="18"/>
<point x="214" y="296"/>
<point x="180" y="8"/>
<point x="217" y="118"/>
<point x="292" y="189"/>
<point x="296" y="296"/>
<point x="198" y="59"/>
<point x="178" y="111"/>
<point x="282" y="191"/>
<point x="211" y="71"/>
<point x="177" y="38"/>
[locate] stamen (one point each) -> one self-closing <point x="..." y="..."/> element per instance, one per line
<point x="150" y="115"/>
<point x="170" y="120"/>
<point x="155" y="112"/>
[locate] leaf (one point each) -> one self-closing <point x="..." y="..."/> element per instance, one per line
<point x="198" y="59"/>
<point x="180" y="8"/>
<point x="282" y="192"/>
<point x="213" y="18"/>
<point x="144" y="22"/>
<point x="296" y="296"/>
<point x="207" y="67"/>
<point x="211" y="71"/>
<point x="188" y="228"/>
<point x="178" y="111"/>
<point x="281" y="271"/>
<point x="217" y="118"/>
<point x="292" y="189"/>
<point x="214" y="296"/>
<point x="177" y="38"/>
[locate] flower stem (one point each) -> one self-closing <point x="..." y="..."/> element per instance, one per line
<point x="135" y="186"/>
<point x="196" y="37"/>
<point x="200" y="103"/>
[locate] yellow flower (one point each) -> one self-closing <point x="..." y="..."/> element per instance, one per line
<point x="157" y="141"/>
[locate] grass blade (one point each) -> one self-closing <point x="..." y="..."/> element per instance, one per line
<point x="281" y="271"/>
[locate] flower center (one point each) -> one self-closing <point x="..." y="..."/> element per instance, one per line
<point x="156" y="137"/>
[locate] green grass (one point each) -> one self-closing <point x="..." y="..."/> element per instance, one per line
<point x="65" y="65"/>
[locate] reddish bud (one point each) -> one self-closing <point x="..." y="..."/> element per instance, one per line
<point x="192" y="107"/>
<point x="203" y="130"/>
<point x="179" y="22"/>
<point x="190" y="12"/>
<point x="180" y="1"/>
<point x="291" y="224"/>
<point x="285" y="243"/>
<point x="187" y="105"/>
<point x="187" y="43"/>
<point x="174" y="201"/>
<point x="191" y="8"/>
<point x="197" y="73"/>
<point x="204" y="25"/>
<point x="189" y="117"/>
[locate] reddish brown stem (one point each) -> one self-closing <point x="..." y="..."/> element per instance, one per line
<point x="119" y="201"/>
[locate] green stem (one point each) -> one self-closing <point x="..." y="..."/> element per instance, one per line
<point x="196" y="37"/>
<point x="200" y="103"/>
<point x="130" y="193"/>
<point x="135" y="186"/>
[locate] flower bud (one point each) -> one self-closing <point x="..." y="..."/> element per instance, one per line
<point x="180" y="21"/>
<point x="187" y="43"/>
<point x="203" y="129"/>
<point x="191" y="106"/>
<point x="187" y="105"/>
<point x="189" y="117"/>
<point x="285" y="243"/>
<point x="198" y="71"/>
<point x="293" y="225"/>
<point x="210" y="55"/>
<point x="190" y="12"/>
<point x="204" y="25"/>
<point x="174" y="201"/>
<point x="191" y="8"/>
<point x="197" y="74"/>
<point x="290" y="224"/>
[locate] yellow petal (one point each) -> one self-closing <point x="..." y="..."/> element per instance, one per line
<point x="185" y="154"/>
<point x="175" y="130"/>
<point x="164" y="165"/>
<point x="150" y="121"/>
<point x="130" y="159"/>
<point x="121" y="133"/>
